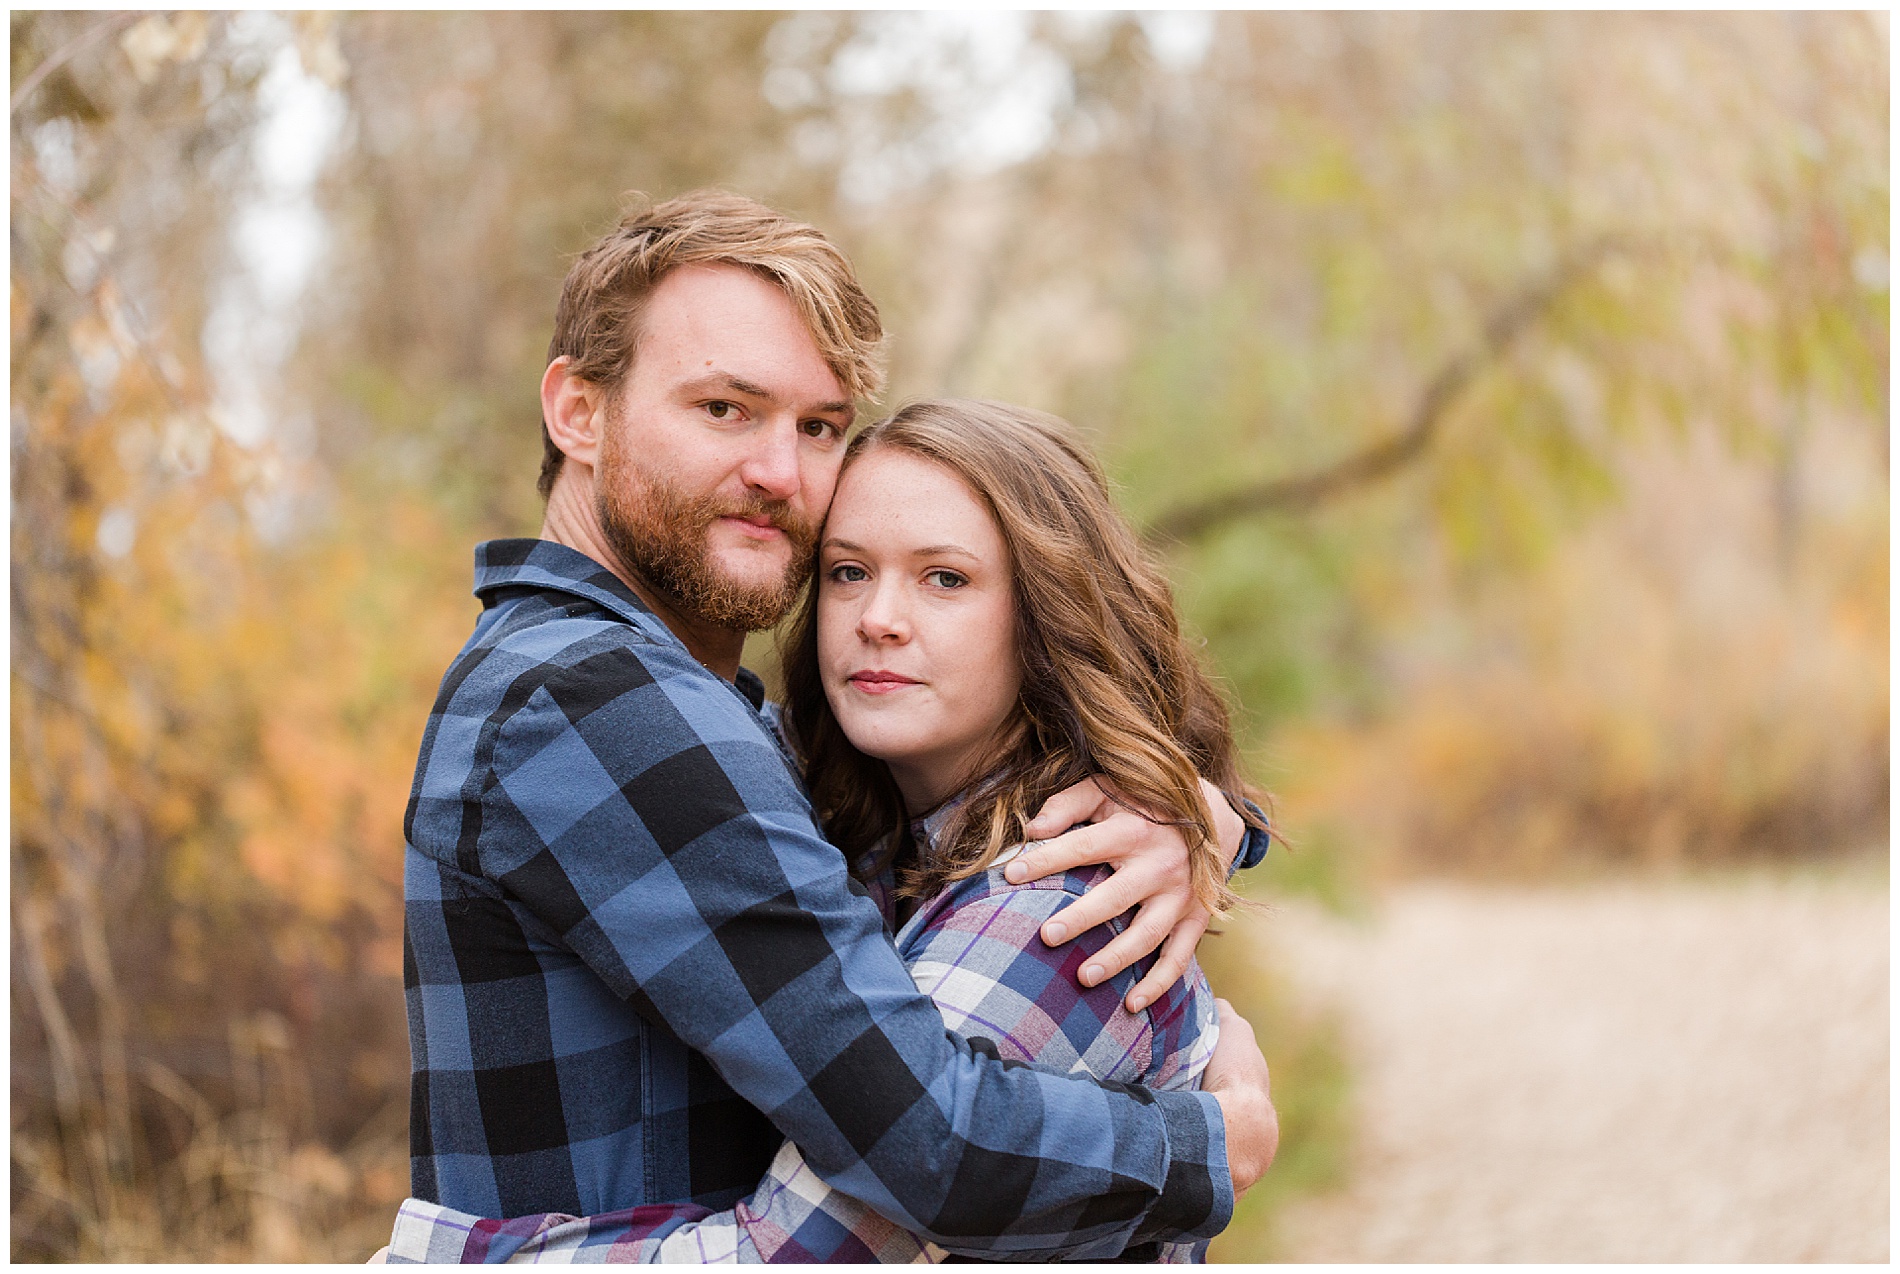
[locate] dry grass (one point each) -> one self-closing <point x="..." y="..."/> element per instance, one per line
<point x="241" y="1190"/>
<point x="172" y="1178"/>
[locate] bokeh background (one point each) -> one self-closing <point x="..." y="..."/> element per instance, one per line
<point x="1507" y="393"/>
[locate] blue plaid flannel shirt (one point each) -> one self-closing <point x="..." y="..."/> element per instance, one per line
<point x="975" y="949"/>
<point x="634" y="966"/>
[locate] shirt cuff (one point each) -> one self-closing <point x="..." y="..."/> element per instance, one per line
<point x="1197" y="1201"/>
<point x="429" y="1234"/>
<point x="1253" y="845"/>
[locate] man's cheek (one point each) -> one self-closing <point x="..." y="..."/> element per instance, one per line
<point x="816" y="488"/>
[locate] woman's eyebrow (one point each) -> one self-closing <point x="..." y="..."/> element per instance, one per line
<point x="928" y="550"/>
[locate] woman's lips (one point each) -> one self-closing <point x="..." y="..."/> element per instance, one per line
<point x="879" y="682"/>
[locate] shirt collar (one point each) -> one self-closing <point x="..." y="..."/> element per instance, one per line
<point x="524" y="563"/>
<point x="925" y="831"/>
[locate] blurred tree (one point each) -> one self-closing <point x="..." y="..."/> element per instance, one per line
<point x="199" y="971"/>
<point x="489" y="147"/>
<point x="1514" y="387"/>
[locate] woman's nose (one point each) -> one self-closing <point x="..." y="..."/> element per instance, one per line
<point x="883" y="618"/>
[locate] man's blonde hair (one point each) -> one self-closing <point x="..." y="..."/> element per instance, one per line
<point x="597" y="323"/>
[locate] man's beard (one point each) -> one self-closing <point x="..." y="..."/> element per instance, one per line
<point x="660" y="533"/>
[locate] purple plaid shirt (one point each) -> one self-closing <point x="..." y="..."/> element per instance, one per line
<point x="974" y="949"/>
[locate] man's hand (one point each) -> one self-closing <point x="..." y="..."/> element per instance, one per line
<point x="1237" y="1078"/>
<point x="1151" y="872"/>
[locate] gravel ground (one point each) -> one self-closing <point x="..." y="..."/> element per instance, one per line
<point x="1682" y="1071"/>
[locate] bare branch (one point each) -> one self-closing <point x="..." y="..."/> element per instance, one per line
<point x="1521" y="311"/>
<point x="66" y="53"/>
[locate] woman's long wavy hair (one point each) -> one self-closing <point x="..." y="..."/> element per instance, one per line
<point x="1109" y="686"/>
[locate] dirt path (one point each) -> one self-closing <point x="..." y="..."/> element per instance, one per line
<point x="1669" y="1072"/>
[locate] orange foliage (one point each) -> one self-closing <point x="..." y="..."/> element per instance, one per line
<point x="212" y="739"/>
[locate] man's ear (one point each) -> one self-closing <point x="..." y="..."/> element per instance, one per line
<point x="574" y="410"/>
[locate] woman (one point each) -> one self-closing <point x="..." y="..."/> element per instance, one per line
<point x="983" y="631"/>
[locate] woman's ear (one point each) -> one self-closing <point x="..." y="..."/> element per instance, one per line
<point x="574" y="411"/>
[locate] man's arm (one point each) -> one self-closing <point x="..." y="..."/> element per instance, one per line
<point x="638" y="810"/>
<point x="988" y="977"/>
<point x="974" y="951"/>
<point x="1151" y="876"/>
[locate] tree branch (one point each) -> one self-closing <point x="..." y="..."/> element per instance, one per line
<point x="66" y="53"/>
<point x="1507" y="323"/>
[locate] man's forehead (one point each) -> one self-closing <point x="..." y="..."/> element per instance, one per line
<point x="720" y="323"/>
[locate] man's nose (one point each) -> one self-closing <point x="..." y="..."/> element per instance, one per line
<point x="772" y="467"/>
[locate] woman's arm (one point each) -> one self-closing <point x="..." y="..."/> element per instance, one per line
<point x="792" y="1216"/>
<point x="975" y="949"/>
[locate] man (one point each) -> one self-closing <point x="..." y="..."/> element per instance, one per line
<point x="633" y="963"/>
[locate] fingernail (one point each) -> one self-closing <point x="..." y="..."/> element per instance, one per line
<point x="1091" y="974"/>
<point x="1137" y="1004"/>
<point x="1055" y="934"/>
<point x="1014" y="873"/>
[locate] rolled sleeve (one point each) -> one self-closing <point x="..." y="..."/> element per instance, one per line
<point x="1253" y="845"/>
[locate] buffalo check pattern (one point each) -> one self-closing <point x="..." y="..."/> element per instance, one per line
<point x="974" y="948"/>
<point x="634" y="967"/>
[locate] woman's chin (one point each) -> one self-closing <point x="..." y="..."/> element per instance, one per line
<point x="880" y="746"/>
<point x="906" y="756"/>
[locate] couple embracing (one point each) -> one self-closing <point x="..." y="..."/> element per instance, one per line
<point x="899" y="968"/>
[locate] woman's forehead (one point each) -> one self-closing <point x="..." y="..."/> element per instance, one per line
<point x="888" y="496"/>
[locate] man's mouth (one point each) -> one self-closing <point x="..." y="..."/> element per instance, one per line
<point x="757" y="526"/>
<point x="878" y="682"/>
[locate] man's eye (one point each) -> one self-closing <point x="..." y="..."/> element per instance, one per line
<point x="945" y="579"/>
<point x="845" y="573"/>
<point x="720" y="410"/>
<point x="820" y="429"/>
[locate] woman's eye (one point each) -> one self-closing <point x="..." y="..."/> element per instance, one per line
<point x="945" y="579"/>
<point x="845" y="573"/>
